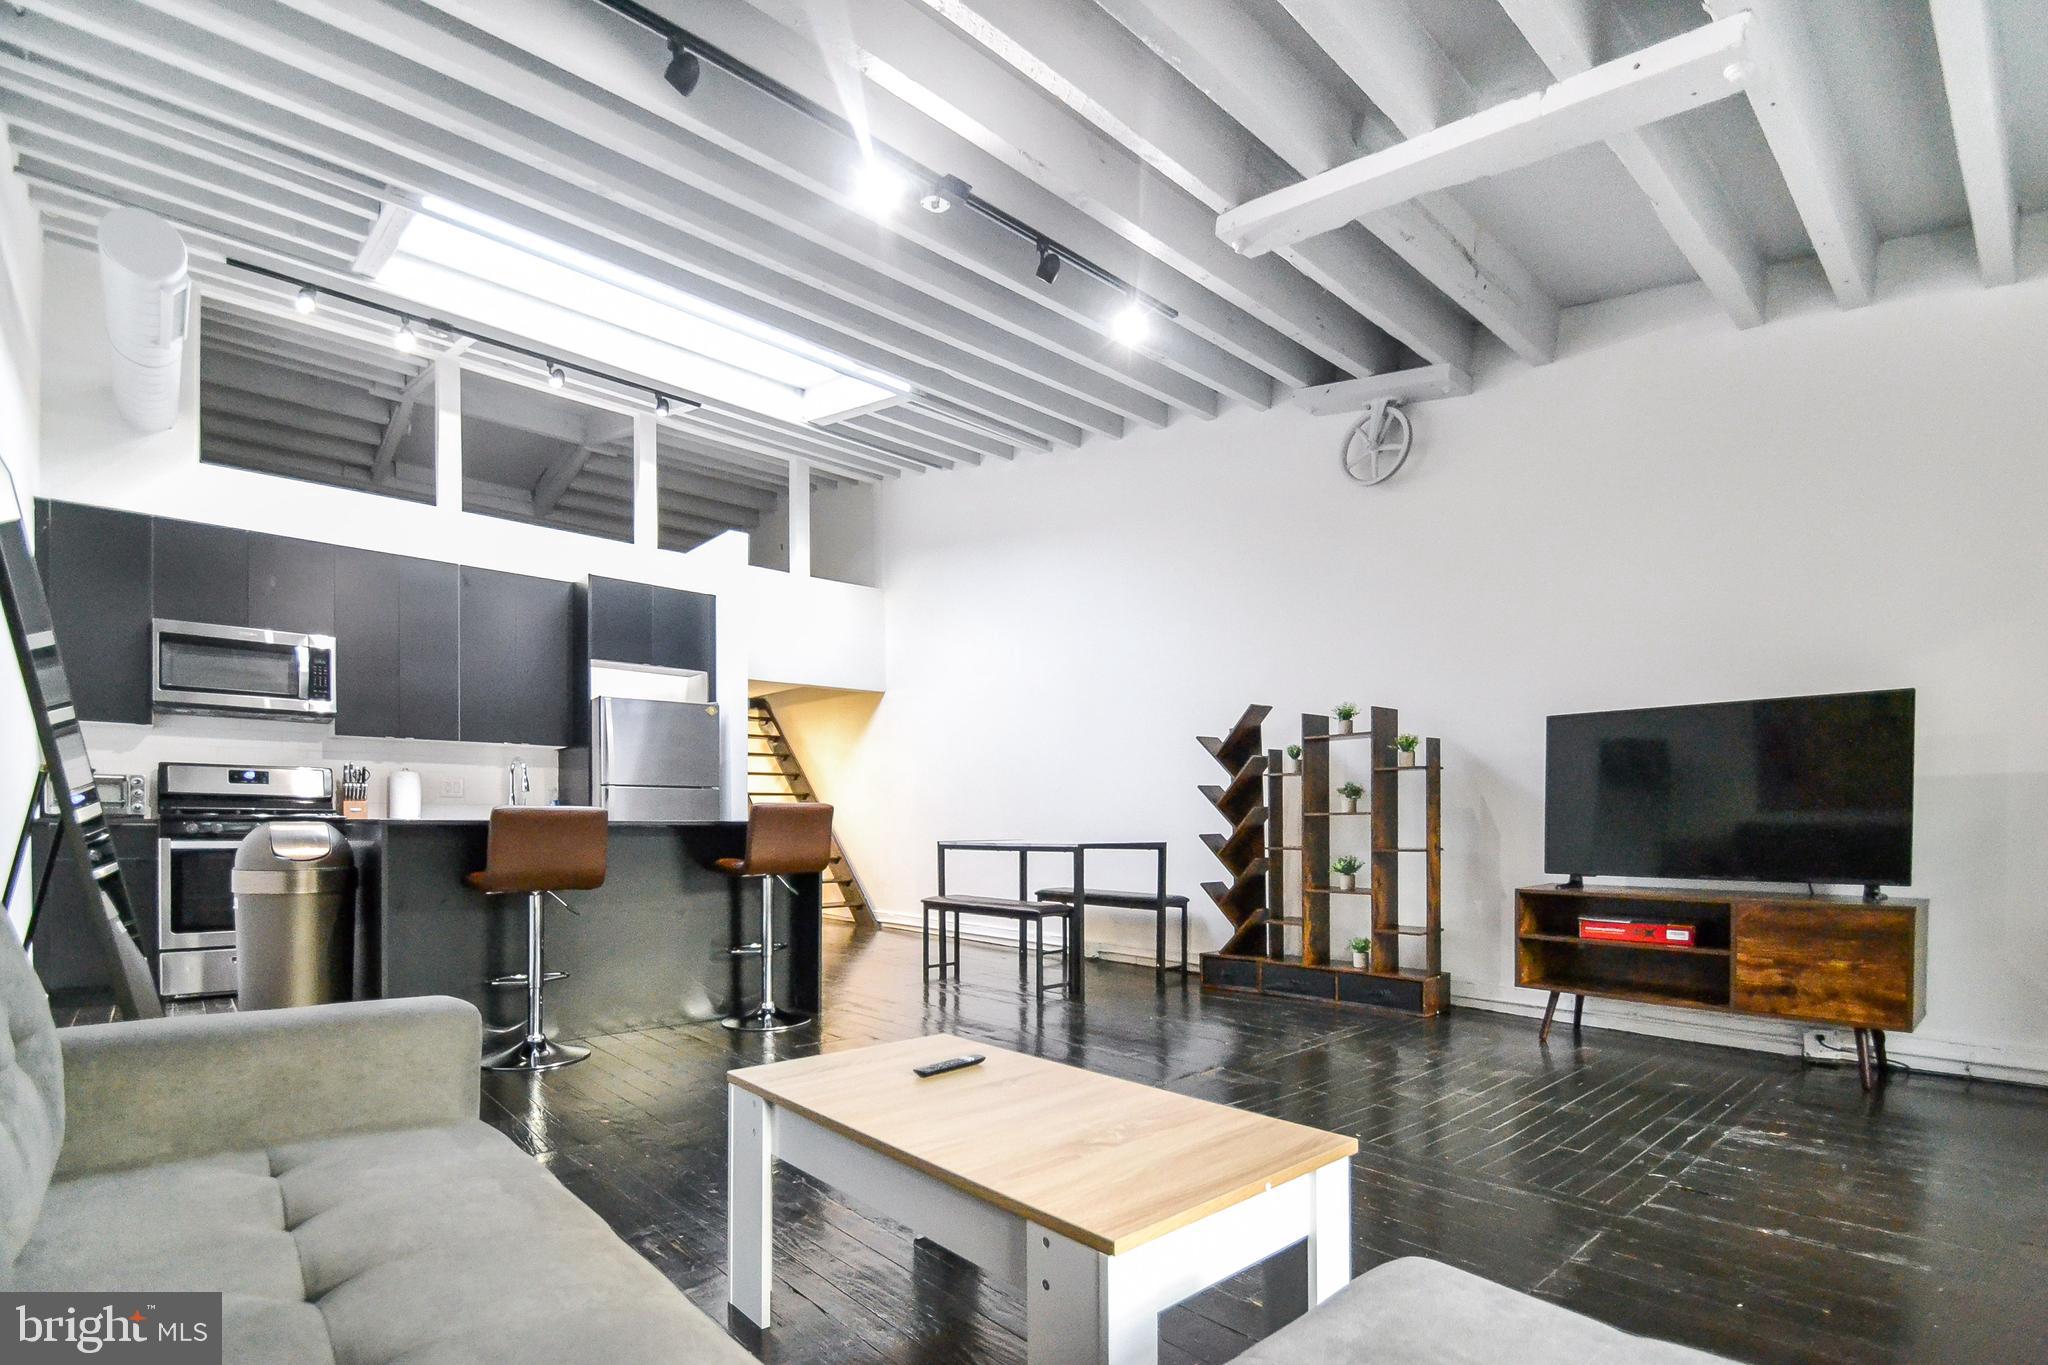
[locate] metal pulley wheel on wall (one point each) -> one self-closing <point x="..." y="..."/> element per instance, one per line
<point x="1377" y="447"/>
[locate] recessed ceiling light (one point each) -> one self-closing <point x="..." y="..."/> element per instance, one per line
<point x="306" y="300"/>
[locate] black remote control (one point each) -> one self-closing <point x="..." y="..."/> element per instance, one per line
<point x="951" y="1064"/>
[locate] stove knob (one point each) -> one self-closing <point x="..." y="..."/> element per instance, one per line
<point x="214" y="827"/>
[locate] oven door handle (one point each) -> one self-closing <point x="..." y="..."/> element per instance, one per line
<point x="189" y="845"/>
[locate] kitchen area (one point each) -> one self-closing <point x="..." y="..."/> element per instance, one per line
<point x="224" y="678"/>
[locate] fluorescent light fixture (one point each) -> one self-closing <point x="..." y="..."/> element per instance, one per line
<point x="472" y="267"/>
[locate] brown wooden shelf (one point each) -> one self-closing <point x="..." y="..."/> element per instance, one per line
<point x="1325" y="814"/>
<point x="1410" y="768"/>
<point x="1325" y="739"/>
<point x="1402" y="849"/>
<point x="1581" y="940"/>
<point x="1334" y="891"/>
<point x="1702" y="997"/>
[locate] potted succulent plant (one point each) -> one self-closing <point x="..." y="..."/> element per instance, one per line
<point x="1408" y="744"/>
<point x="1350" y="792"/>
<point x="1293" y="763"/>
<point x="1346" y="871"/>
<point x="1344" y="711"/>
<point x="1361" y="952"/>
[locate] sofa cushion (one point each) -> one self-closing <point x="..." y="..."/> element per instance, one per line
<point x="1416" y="1309"/>
<point x="425" y="1244"/>
<point x="31" y="1098"/>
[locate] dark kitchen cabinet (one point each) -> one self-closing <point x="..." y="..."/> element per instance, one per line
<point x="95" y="567"/>
<point x="67" y="953"/>
<point x="396" y="641"/>
<point x="200" y="573"/>
<point x="518" y="638"/>
<point x="638" y="623"/>
<point x="430" y="657"/>
<point x="291" y="585"/>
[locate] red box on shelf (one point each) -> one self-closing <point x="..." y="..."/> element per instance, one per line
<point x="1637" y="931"/>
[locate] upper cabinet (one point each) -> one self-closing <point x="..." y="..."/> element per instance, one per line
<point x="518" y="639"/>
<point x="96" y="574"/>
<point x="637" y="623"/>
<point x="201" y="573"/>
<point x="291" y="585"/>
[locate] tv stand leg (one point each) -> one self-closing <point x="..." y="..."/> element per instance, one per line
<point x="1543" y="1034"/>
<point x="1864" y="1070"/>
<point x="1578" y="1012"/>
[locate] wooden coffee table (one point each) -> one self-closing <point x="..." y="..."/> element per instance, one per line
<point x="1105" y="1201"/>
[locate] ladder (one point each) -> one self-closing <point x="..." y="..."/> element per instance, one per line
<point x="773" y="774"/>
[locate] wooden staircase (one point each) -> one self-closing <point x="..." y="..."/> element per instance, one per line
<point x="1242" y="851"/>
<point x="773" y="774"/>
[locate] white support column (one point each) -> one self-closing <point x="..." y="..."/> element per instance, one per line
<point x="447" y="434"/>
<point x="646" y="482"/>
<point x="799" y="519"/>
<point x="749" y="1202"/>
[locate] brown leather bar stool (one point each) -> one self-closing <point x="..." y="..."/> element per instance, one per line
<point x="784" y="839"/>
<point x="539" y="851"/>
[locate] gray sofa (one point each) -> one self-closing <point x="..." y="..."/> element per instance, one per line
<point x="325" y="1170"/>
<point x="1418" y="1310"/>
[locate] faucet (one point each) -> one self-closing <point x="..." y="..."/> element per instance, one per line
<point x="521" y="781"/>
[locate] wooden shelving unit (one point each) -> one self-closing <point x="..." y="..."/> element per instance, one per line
<point x="1420" y="987"/>
<point x="1242" y="851"/>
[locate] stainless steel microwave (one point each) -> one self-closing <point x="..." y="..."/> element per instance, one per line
<point x="199" y="667"/>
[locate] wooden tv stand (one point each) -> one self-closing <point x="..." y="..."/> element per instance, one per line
<point x="1835" y="960"/>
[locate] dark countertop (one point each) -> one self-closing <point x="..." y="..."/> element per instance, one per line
<point x="485" y="820"/>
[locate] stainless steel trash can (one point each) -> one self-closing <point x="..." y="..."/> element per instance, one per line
<point x="295" y="924"/>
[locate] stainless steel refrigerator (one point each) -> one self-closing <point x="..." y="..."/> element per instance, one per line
<point x="647" y="760"/>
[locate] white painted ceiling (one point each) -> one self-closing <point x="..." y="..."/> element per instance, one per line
<point x="274" y="131"/>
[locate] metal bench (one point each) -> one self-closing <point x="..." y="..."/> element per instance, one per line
<point x="1027" y="914"/>
<point x="1134" y="900"/>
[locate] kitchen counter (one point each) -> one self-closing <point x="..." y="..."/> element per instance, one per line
<point x="648" y="947"/>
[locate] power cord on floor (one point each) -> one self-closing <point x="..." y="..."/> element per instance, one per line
<point x="1820" y="1040"/>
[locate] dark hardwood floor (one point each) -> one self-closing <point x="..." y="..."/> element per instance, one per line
<point x="1733" y="1201"/>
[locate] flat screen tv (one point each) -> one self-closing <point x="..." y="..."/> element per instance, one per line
<point x="1791" y="789"/>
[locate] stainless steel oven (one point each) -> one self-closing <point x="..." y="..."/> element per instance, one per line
<point x="204" y="810"/>
<point x="200" y="667"/>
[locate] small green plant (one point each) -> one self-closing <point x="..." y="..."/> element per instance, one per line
<point x="1294" y="752"/>
<point x="1362" y="946"/>
<point x="1351" y="790"/>
<point x="1407" y="743"/>
<point x="1344" y="710"/>
<point x="1346" y="866"/>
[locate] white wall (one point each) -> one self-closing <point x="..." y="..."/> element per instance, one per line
<point x="1675" y="512"/>
<point x="21" y="287"/>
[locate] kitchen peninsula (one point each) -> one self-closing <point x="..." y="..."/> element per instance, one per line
<point x="651" y="946"/>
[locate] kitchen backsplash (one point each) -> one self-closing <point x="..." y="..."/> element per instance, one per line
<point x="456" y="780"/>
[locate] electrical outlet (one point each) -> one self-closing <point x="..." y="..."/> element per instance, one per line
<point x="1828" y="1044"/>
<point x="451" y="788"/>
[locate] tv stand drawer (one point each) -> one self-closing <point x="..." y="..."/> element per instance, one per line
<point x="1857" y="966"/>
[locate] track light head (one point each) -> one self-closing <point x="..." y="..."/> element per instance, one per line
<point x="662" y="407"/>
<point x="307" y="299"/>
<point x="878" y="188"/>
<point x="405" y="338"/>
<point x="934" y="200"/>
<point x="1048" y="262"/>
<point x="556" y="379"/>
<point x="1131" y="324"/>
<point x="684" y="69"/>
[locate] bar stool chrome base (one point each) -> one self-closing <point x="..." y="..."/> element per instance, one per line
<point x="765" y="1019"/>
<point x="530" y="1055"/>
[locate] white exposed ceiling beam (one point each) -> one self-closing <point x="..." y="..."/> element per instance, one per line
<point x="1388" y="53"/>
<point x="545" y="126"/>
<point x="599" y="431"/>
<point x="261" y="407"/>
<point x="203" y="73"/>
<point x="1313" y="125"/>
<point x="796" y="61"/>
<point x="1966" y="33"/>
<point x="1681" y="73"/>
<point x="1406" y="386"/>
<point x="922" y="59"/>
<point x="803" y="157"/>
<point x="1806" y="135"/>
<point x="1681" y="187"/>
<point x="386" y="463"/>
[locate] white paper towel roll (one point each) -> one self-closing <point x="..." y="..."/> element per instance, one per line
<point x="404" y="798"/>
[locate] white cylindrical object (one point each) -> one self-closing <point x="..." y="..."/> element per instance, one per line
<point x="146" y="290"/>
<point x="404" y="798"/>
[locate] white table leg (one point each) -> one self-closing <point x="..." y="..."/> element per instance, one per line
<point x="749" y="1202"/>
<point x="1329" y="1237"/>
<point x="1085" y="1308"/>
